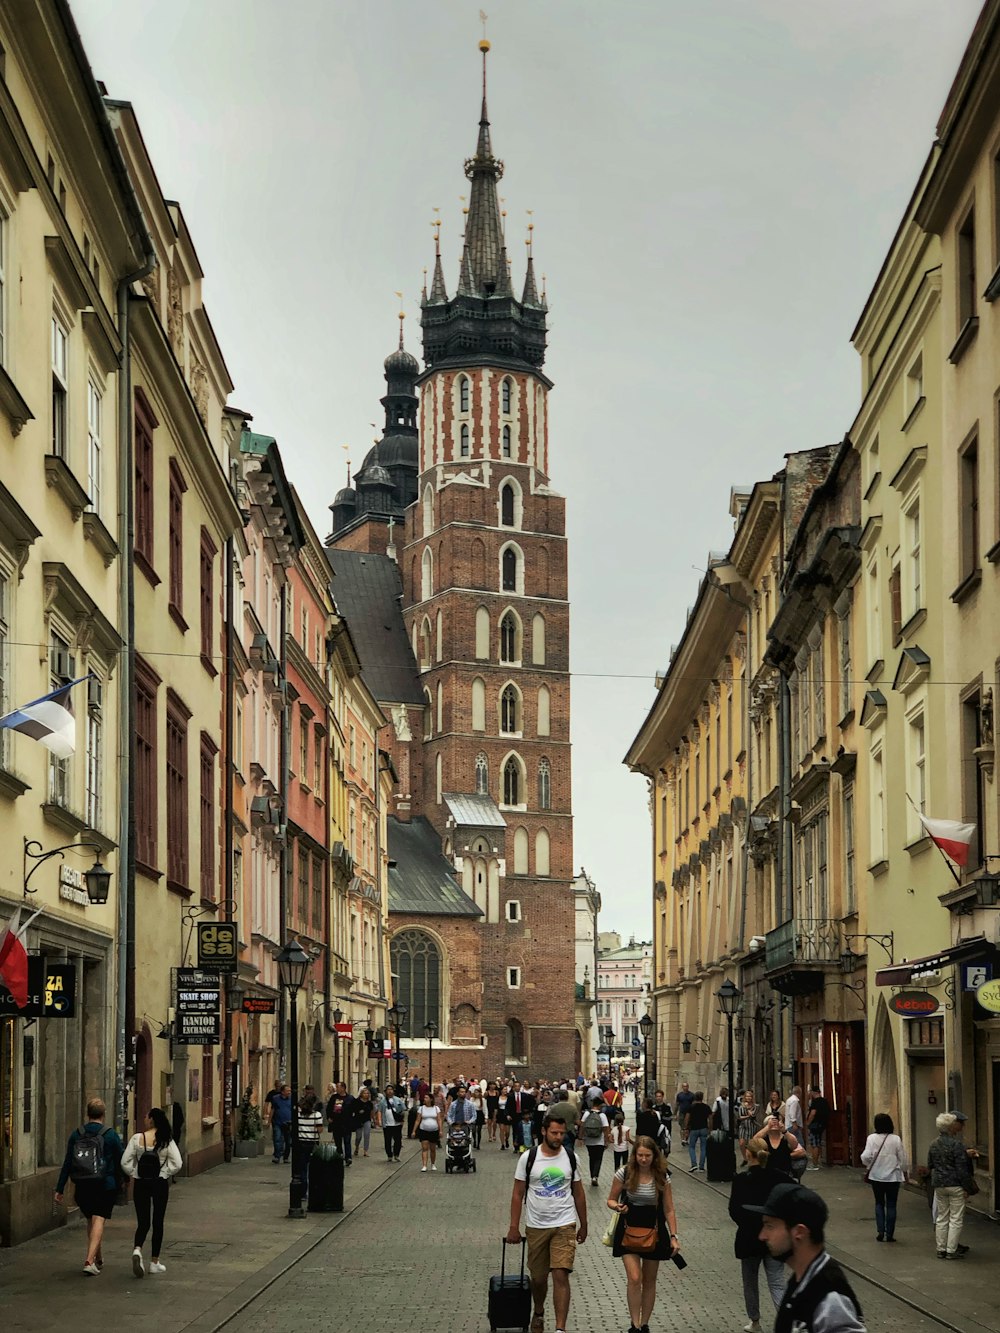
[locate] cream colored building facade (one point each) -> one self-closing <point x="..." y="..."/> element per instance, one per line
<point x="70" y="232"/>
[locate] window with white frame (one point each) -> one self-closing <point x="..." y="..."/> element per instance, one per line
<point x="844" y="652"/>
<point x="60" y="388"/>
<point x="482" y="775"/>
<point x="850" y="873"/>
<point x="916" y="770"/>
<point x="95" y="743"/>
<point x="514" y="978"/>
<point x="506" y="442"/>
<point x="914" y="384"/>
<point x="510" y="638"/>
<point x="819" y="692"/>
<point x="913" y="594"/>
<point x="61" y="670"/>
<point x="513" y="910"/>
<point x="94" y="407"/>
<point x="505" y="397"/>
<point x="464" y="441"/>
<point x="873" y="602"/>
<point x="463" y="393"/>
<point x="876" y="812"/>
<point x="544" y="785"/>
<point x="510" y="708"/>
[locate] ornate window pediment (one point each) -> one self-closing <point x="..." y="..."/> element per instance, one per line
<point x="873" y="710"/>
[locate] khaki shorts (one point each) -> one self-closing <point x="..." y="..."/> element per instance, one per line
<point x="550" y="1247"/>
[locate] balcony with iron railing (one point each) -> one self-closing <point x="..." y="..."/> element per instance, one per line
<point x="797" y="953"/>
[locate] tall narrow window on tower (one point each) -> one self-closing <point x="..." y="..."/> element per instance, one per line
<point x="463" y="394"/>
<point x="508" y="569"/>
<point x="509" y="638"/>
<point x="544" y="785"/>
<point x="482" y="775"/>
<point x="464" y="442"/>
<point x="505" y="397"/>
<point x="509" y="710"/>
<point x="507" y="504"/>
<point x="506" y="442"/>
<point x="512" y="782"/>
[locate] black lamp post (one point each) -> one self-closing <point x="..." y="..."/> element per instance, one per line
<point x="293" y="963"/>
<point x="397" y="1017"/>
<point x="645" y="1027"/>
<point x="430" y="1031"/>
<point x="729" y="997"/>
<point x="338" y="1018"/>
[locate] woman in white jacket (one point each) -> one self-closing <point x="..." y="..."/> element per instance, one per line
<point x="888" y="1166"/>
<point x="151" y="1159"/>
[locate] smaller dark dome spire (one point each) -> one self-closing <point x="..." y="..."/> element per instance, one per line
<point x="401" y="362"/>
<point x="376" y="475"/>
<point x="347" y="496"/>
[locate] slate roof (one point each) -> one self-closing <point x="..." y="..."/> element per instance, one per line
<point x="366" y="589"/>
<point x="422" y="880"/>
<point x="474" y="811"/>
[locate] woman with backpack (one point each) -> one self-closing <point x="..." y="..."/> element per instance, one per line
<point x="152" y="1158"/>
<point x="595" y="1134"/>
<point x="646" y="1231"/>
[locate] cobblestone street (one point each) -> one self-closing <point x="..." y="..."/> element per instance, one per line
<point x="426" y="1246"/>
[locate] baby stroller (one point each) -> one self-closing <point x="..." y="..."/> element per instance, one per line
<point x="458" y="1152"/>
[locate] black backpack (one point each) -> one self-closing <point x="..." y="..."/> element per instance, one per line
<point x="148" y="1165"/>
<point x="88" y="1161"/>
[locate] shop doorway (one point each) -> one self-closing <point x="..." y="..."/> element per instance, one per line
<point x="927" y="1100"/>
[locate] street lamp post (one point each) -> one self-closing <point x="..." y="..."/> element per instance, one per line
<point x="397" y="1017"/>
<point x="293" y="963"/>
<point x="430" y="1031"/>
<point x="338" y="1018"/>
<point x="645" y="1027"/>
<point x="729" y="997"/>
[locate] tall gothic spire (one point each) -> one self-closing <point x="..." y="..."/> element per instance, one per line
<point x="439" y="292"/>
<point x="486" y="269"/>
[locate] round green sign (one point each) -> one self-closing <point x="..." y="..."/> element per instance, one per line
<point x="988" y="995"/>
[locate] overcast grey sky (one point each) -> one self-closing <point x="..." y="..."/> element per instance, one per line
<point x="713" y="187"/>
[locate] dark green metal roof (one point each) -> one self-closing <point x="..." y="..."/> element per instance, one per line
<point x="422" y="881"/>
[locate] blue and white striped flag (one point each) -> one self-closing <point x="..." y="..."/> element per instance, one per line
<point x="48" y="720"/>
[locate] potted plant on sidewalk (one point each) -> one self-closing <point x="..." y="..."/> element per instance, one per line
<point x="249" y="1127"/>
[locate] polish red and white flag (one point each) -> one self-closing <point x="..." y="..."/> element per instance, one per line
<point x="14" y="959"/>
<point x="951" y="836"/>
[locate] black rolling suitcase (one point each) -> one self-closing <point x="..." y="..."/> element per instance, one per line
<point x="510" y="1295"/>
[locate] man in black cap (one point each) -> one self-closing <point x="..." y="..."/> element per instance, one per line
<point x="819" y="1298"/>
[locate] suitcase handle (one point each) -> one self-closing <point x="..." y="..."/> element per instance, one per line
<point x="503" y="1253"/>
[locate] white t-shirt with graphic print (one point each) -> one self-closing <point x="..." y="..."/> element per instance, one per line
<point x="549" y="1198"/>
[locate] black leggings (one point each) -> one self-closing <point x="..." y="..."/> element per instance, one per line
<point x="392" y="1136"/>
<point x="146" y="1195"/>
<point x="595" y="1151"/>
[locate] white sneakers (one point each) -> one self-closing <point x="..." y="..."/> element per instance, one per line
<point x="157" y="1268"/>
<point x="433" y="1168"/>
<point x="137" y="1267"/>
<point x="752" y="1327"/>
<point x="91" y="1270"/>
<point x="423" y="1168"/>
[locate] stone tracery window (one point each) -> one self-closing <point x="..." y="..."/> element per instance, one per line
<point x="416" y="962"/>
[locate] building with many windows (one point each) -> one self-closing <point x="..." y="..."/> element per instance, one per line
<point x="624" y="979"/>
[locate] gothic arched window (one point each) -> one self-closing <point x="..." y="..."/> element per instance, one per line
<point x="544" y="785"/>
<point x="508" y="567"/>
<point x="509" y="638"/>
<point x="463" y="394"/>
<point x="507" y="505"/>
<point x="506" y="442"/>
<point x="505" y="393"/>
<point x="482" y="775"/>
<point x="464" y="442"/>
<point x="416" y="963"/>
<point x="512" y="782"/>
<point x="509" y="710"/>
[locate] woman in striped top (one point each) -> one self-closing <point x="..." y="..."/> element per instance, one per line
<point x="310" y="1125"/>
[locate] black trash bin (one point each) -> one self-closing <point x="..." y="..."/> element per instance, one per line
<point x="326" y="1179"/>
<point x="720" y="1156"/>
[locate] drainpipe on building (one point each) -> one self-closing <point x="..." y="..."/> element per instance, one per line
<point x="283" y="865"/>
<point x="125" y="990"/>
<point x="227" y="879"/>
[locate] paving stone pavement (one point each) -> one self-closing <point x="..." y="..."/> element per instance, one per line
<point x="422" y="1250"/>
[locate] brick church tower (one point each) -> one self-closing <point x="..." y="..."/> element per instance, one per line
<point x="485" y="602"/>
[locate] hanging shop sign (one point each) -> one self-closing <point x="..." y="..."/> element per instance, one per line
<point x="914" y="1003"/>
<point x="344" y="1029"/>
<point x="51" y="991"/>
<point x="198" y="1022"/>
<point x="259" y="1004"/>
<point x="988" y="996"/>
<point x="218" y="942"/>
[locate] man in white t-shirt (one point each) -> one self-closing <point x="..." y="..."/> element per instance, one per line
<point x="552" y="1198"/>
<point x="793" y="1113"/>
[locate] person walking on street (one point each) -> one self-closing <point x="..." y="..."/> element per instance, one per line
<point x="950" y="1165"/>
<point x="818" y="1298"/>
<point x="548" y="1191"/>
<point x="816" y="1121"/>
<point x="492" y="1106"/>
<point x="310" y="1126"/>
<point x="479" y="1102"/>
<point x="268" y="1103"/>
<point x="647" y="1229"/>
<point x="339" y="1121"/>
<point x="696" y="1123"/>
<point x="462" y="1111"/>
<point x="93" y="1158"/>
<point x="566" y="1106"/>
<point x="775" y="1106"/>
<point x="793" y="1115"/>
<point x="620" y="1139"/>
<point x="389" y="1114"/>
<point x="595" y="1134"/>
<point x="364" y="1109"/>
<point x="429" y="1132"/>
<point x="753" y="1187"/>
<point x="681" y="1107"/>
<point x="888" y="1167"/>
<point x="721" y="1111"/>
<point x="747" y="1120"/>
<point x="786" y="1157"/>
<point x="281" y="1124"/>
<point x="152" y="1159"/>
